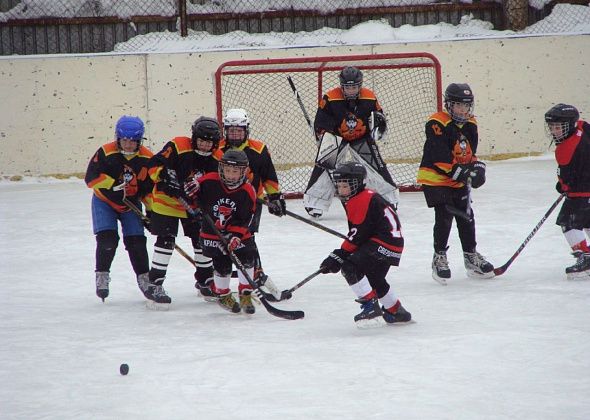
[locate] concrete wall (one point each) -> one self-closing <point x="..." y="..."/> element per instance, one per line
<point x="57" y="110"/>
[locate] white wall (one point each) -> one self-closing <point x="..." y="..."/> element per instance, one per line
<point x="57" y="110"/>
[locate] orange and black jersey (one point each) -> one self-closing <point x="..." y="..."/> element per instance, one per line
<point x="178" y="155"/>
<point x="262" y="174"/>
<point x="447" y="143"/>
<point x="344" y="118"/>
<point x="371" y="218"/>
<point x="231" y="210"/>
<point x="106" y="169"/>
<point x="573" y="158"/>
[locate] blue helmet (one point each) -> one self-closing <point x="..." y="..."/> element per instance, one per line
<point x="129" y="127"/>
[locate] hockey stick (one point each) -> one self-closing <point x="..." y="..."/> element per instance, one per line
<point x="300" y="102"/>
<point x="271" y="309"/>
<point x="309" y="222"/>
<point x="146" y="222"/>
<point x="501" y="270"/>
<point x="288" y="294"/>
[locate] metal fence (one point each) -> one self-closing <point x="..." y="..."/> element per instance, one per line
<point x="83" y="26"/>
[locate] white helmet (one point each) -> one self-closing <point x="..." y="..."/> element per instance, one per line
<point x="236" y="117"/>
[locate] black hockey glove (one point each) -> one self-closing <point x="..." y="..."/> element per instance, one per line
<point x="334" y="262"/>
<point x="276" y="204"/>
<point x="169" y="184"/>
<point x="477" y="174"/>
<point x="559" y="187"/>
<point x="460" y="172"/>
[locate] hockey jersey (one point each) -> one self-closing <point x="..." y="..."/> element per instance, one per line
<point x="109" y="168"/>
<point x="573" y="158"/>
<point x="372" y="219"/>
<point x="447" y="143"/>
<point x="344" y="118"/>
<point x="178" y="155"/>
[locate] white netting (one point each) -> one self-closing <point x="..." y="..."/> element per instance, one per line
<point x="407" y="86"/>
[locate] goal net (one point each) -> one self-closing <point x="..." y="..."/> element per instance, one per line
<point x="407" y="85"/>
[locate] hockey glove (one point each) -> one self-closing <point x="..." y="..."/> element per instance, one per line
<point x="378" y="125"/>
<point x="334" y="262"/>
<point x="276" y="204"/>
<point x="559" y="187"/>
<point x="191" y="187"/>
<point x="477" y="174"/>
<point x="460" y="172"/>
<point x="169" y="184"/>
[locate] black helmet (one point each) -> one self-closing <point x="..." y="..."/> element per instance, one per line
<point x="351" y="76"/>
<point x="233" y="158"/>
<point x="560" y="122"/>
<point x="459" y="93"/>
<point x="206" y="128"/>
<point x="354" y="174"/>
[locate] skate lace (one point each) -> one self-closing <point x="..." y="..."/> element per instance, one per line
<point x="440" y="261"/>
<point x="102" y="280"/>
<point x="246" y="300"/>
<point x="159" y="291"/>
<point x="227" y="300"/>
<point x="476" y="258"/>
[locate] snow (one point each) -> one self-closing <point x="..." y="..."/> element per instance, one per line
<point x="513" y="347"/>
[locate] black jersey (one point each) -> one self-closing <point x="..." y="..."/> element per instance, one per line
<point x="573" y="158"/>
<point x="231" y="210"/>
<point x="109" y="168"/>
<point x="372" y="219"/>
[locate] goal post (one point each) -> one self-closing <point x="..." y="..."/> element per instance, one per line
<point x="407" y="85"/>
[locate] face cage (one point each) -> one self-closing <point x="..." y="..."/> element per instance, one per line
<point x="236" y="142"/>
<point x="356" y="95"/>
<point x="123" y="152"/>
<point x="355" y="186"/>
<point x="232" y="185"/>
<point x="457" y="118"/>
<point x="564" y="127"/>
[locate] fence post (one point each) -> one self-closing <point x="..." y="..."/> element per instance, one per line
<point x="182" y="15"/>
<point x="516" y="14"/>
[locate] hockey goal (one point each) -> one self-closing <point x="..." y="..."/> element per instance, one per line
<point x="407" y="85"/>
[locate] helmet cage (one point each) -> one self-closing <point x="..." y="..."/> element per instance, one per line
<point x="236" y="117"/>
<point x="206" y="129"/>
<point x="351" y="77"/>
<point x="459" y="118"/>
<point x="233" y="159"/>
<point x="351" y="173"/>
<point x="561" y="122"/>
<point x="557" y="131"/>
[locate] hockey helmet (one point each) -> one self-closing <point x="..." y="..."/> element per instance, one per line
<point x="131" y="128"/>
<point x="236" y="117"/>
<point x="351" y="81"/>
<point x="353" y="175"/>
<point x="232" y="168"/>
<point x="459" y="97"/>
<point x="560" y="122"/>
<point x="205" y="128"/>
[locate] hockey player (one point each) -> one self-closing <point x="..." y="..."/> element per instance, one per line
<point x="374" y="243"/>
<point x="448" y="170"/>
<point x="572" y="137"/>
<point x="117" y="170"/>
<point x="230" y="200"/>
<point x="180" y="160"/>
<point x="349" y="120"/>
<point x="262" y="175"/>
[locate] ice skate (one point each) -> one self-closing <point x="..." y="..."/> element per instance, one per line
<point x="440" y="267"/>
<point x="157" y="298"/>
<point x="477" y="266"/>
<point x="228" y="302"/>
<point x="102" y="284"/>
<point x="315" y="213"/>
<point x="246" y="302"/>
<point x="143" y="282"/>
<point x="370" y="314"/>
<point x="204" y="290"/>
<point x="400" y="316"/>
<point x="580" y="270"/>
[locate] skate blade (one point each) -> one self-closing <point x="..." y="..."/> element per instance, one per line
<point x="439" y="280"/>
<point x="155" y="306"/>
<point x="584" y="275"/>
<point x="400" y="324"/>
<point x="367" y="324"/>
<point x="480" y="276"/>
<point x="207" y="298"/>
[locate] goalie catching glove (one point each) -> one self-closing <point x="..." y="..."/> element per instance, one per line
<point x="334" y="262"/>
<point x="377" y="125"/>
<point x="276" y="204"/>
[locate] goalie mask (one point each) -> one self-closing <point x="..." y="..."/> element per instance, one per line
<point x="236" y="125"/>
<point x="349" y="180"/>
<point x="206" y="134"/>
<point x="459" y="102"/>
<point x="351" y="81"/>
<point x="560" y="122"/>
<point x="129" y="134"/>
<point x="232" y="168"/>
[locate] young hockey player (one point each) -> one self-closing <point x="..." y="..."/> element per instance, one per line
<point x="117" y="170"/>
<point x="374" y="243"/>
<point x="180" y="160"/>
<point x="448" y="170"/>
<point x="262" y="176"/>
<point x="572" y="137"/>
<point x="349" y="120"/>
<point x="230" y="201"/>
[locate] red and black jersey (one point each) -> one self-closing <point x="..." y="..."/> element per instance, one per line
<point x="231" y="210"/>
<point x="447" y="143"/>
<point x="179" y="155"/>
<point x="573" y="158"/>
<point x="348" y="119"/>
<point x="371" y="218"/>
<point x="109" y="168"/>
<point x="262" y="174"/>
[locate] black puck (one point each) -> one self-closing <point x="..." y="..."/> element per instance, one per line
<point x="124" y="369"/>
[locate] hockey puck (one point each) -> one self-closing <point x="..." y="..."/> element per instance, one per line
<point x="285" y="295"/>
<point x="124" y="369"/>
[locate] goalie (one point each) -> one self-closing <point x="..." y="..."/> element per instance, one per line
<point x="348" y="121"/>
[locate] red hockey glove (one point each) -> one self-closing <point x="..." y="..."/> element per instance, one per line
<point x="233" y="243"/>
<point x="191" y="188"/>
